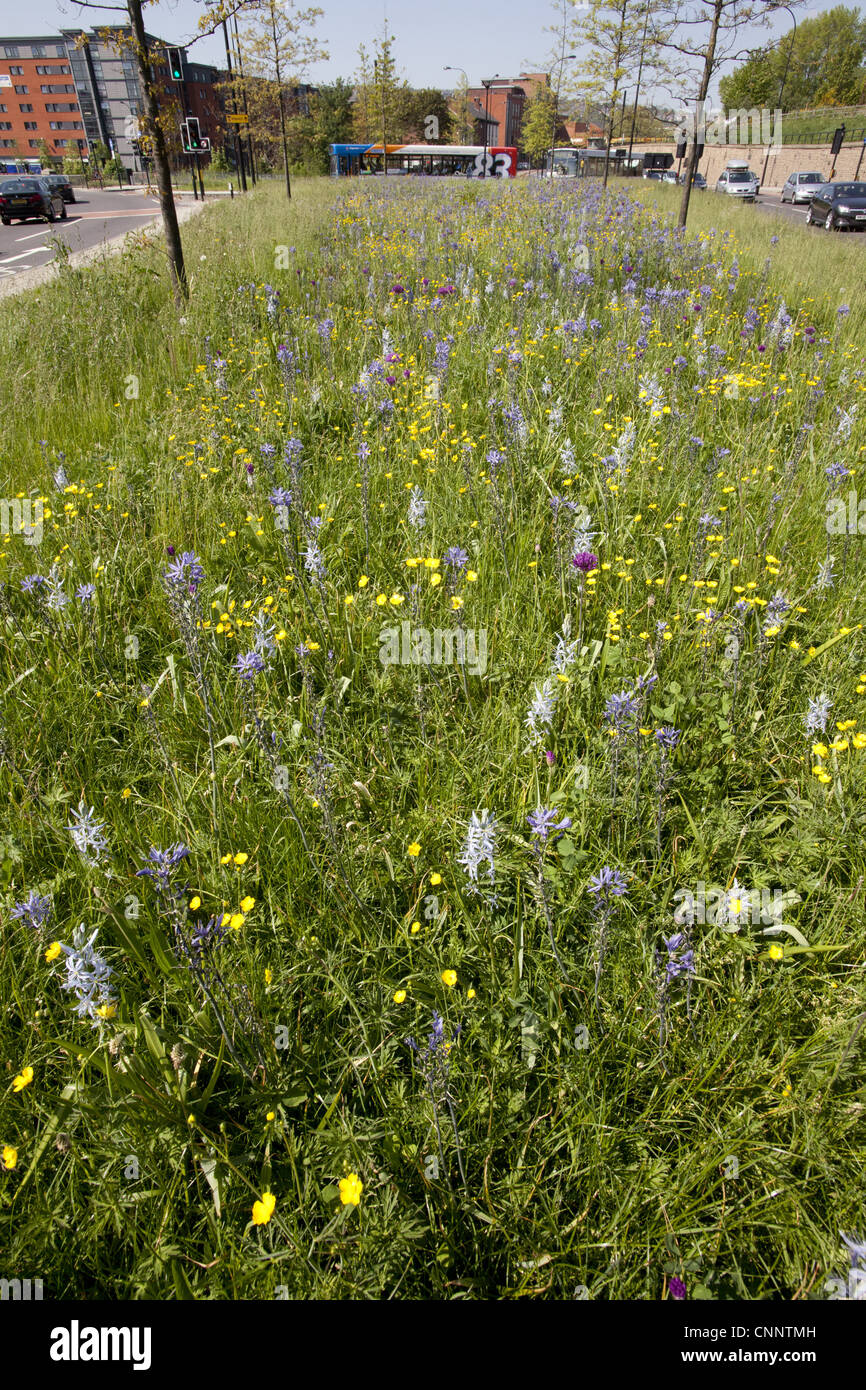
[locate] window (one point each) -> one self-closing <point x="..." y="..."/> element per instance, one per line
<point x="25" y="106"/>
<point x="18" y="71"/>
<point x="37" y="50"/>
<point x="3" y="107"/>
<point x="65" y="125"/>
<point x="61" y="142"/>
<point x="7" y="144"/>
<point x="11" y="51"/>
<point x="31" y="125"/>
<point x="5" y="125"/>
<point x="57" y="88"/>
<point x="60" y="51"/>
<point x="60" y="106"/>
<point x="22" y="90"/>
<point x="34" y="144"/>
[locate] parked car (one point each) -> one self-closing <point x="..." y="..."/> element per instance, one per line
<point x="801" y="187"/>
<point x="737" y="183"/>
<point x="653" y="174"/>
<point x="698" y="182"/>
<point x="26" y="198"/>
<point x="669" y="175"/>
<point x="839" y="205"/>
<point x="62" y="185"/>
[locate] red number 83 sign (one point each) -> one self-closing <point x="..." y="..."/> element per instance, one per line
<point x="498" y="162"/>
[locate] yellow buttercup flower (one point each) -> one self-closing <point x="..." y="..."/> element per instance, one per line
<point x="194" y="903"/>
<point x="240" y="859"/>
<point x="414" y="850"/>
<point x="399" y="996"/>
<point x="436" y="879"/>
<point x="269" y="974"/>
<point x="24" y="1077"/>
<point x="776" y="952"/>
<point x="247" y="904"/>
<point x="264" y="1210"/>
<point x="10" y="1156"/>
<point x="350" y="1190"/>
<point x="449" y="977"/>
<point x="236" y="921"/>
<point x="53" y="951"/>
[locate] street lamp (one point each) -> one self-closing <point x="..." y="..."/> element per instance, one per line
<point x="566" y="58"/>
<point x="487" y="84"/>
<point x="782" y="83"/>
<point x="448" y="68"/>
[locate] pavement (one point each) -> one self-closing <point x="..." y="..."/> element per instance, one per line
<point x="97" y="221"/>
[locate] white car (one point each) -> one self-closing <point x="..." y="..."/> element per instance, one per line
<point x="801" y="188"/>
<point x="738" y="183"/>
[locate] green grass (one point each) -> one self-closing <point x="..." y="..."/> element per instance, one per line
<point x="733" y="1156"/>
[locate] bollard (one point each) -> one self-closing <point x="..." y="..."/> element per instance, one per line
<point x="231" y="190"/>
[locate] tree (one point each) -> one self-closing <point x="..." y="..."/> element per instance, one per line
<point x="424" y="114"/>
<point x="826" y="66"/>
<point x="537" y="127"/>
<point x="615" y="32"/>
<point x="379" y="93"/>
<point x="462" y="115"/>
<point x="704" y="37"/>
<point x="277" y="48"/>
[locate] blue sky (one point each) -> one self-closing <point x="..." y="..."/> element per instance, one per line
<point x="484" y="37"/>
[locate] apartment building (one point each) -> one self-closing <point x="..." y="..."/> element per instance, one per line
<point x="72" y="90"/>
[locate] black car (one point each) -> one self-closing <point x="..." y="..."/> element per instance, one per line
<point x="62" y="185"/>
<point x="27" y="198"/>
<point x="839" y="205"/>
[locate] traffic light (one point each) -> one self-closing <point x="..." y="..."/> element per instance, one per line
<point x="193" y="133"/>
<point x="175" y="63"/>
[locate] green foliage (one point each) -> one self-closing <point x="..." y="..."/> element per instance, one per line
<point x="826" y="66"/>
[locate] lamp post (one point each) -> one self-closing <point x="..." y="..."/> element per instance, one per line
<point x="637" y="88"/>
<point x="486" y="84"/>
<point x="566" y="58"/>
<point x="448" y="68"/>
<point x="782" y="83"/>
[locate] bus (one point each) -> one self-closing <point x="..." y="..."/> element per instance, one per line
<point x="467" y="161"/>
<point x="20" y="166"/>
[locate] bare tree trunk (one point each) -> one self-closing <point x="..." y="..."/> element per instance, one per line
<point x="285" y="145"/>
<point x="279" y="77"/>
<point x="173" y="247"/>
<point x="692" y="161"/>
<point x="609" y="140"/>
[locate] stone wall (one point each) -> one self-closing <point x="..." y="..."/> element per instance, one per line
<point x="784" y="160"/>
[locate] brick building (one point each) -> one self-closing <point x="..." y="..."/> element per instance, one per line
<point x="72" y="90"/>
<point x="506" y="105"/>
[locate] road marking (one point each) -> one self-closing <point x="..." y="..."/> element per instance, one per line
<point x="32" y="235"/>
<point x="22" y="255"/>
<point x="7" y="272"/>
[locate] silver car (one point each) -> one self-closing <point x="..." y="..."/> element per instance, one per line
<point x="801" y="188"/>
<point x="737" y="183"/>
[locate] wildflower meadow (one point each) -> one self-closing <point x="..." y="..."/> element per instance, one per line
<point x="433" y="745"/>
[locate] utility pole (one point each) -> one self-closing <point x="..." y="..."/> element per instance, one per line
<point x="487" y="84"/>
<point x="565" y="58"/>
<point x="240" y="63"/>
<point x="239" y="144"/>
<point x="637" y="88"/>
<point x="782" y="83"/>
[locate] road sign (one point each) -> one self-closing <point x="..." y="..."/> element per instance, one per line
<point x="5" y="80"/>
<point x="238" y="120"/>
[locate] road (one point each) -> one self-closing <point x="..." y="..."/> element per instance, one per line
<point x="95" y="217"/>
<point x="771" y="202"/>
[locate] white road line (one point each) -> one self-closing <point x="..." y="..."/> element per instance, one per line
<point x="22" y="255"/>
<point x="33" y="235"/>
<point x="7" y="272"/>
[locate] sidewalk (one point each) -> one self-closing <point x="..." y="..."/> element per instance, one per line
<point x="40" y="275"/>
